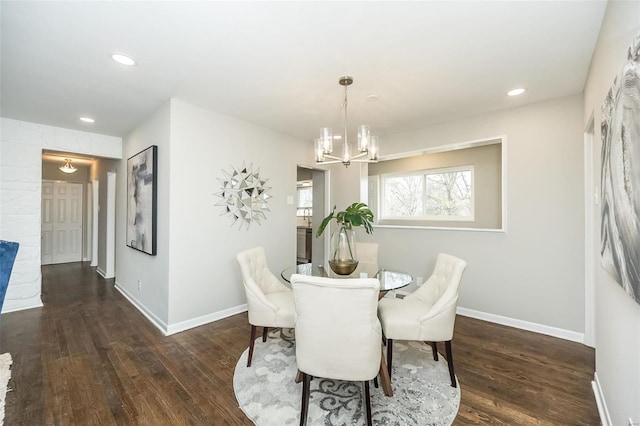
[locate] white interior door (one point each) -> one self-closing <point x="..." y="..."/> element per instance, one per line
<point x="46" y="230"/>
<point x="65" y="215"/>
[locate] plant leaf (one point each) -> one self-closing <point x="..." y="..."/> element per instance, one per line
<point x="357" y="214"/>
<point x="325" y="222"/>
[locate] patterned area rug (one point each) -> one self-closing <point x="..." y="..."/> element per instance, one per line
<point x="5" y="375"/>
<point x="268" y="394"/>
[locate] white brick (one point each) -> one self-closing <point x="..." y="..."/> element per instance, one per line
<point x="21" y="145"/>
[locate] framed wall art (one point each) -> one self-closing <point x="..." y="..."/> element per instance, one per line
<point x="142" y="200"/>
<point x="620" y="176"/>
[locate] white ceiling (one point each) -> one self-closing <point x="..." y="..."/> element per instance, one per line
<point x="277" y="64"/>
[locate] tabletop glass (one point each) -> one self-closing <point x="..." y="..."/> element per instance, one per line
<point x="389" y="279"/>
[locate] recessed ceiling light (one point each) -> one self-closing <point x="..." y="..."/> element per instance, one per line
<point x="123" y="59"/>
<point x="372" y="97"/>
<point x="516" y="92"/>
<point x="337" y="137"/>
<point x="87" y="119"/>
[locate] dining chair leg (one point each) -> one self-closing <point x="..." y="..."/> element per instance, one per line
<point x="434" y="349"/>
<point x="367" y="402"/>
<point x="389" y="355"/>
<point x="251" y="343"/>
<point x="265" y="330"/>
<point x="447" y="346"/>
<point x="306" y="384"/>
<point x="375" y="382"/>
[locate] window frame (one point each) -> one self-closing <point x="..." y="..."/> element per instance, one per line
<point x="424" y="173"/>
<point x="300" y="210"/>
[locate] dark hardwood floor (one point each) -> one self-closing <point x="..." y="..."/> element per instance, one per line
<point x="89" y="357"/>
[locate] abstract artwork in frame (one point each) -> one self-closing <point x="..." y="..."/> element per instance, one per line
<point x="142" y="191"/>
<point x="620" y="176"/>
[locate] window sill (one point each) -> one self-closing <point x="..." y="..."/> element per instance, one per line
<point x="442" y="228"/>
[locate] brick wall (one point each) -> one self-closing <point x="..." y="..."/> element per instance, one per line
<point x="21" y="145"/>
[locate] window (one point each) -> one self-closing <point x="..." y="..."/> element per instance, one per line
<point x="436" y="194"/>
<point x="305" y="200"/>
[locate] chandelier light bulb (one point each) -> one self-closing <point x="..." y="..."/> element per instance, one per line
<point x="373" y="149"/>
<point x="326" y="137"/>
<point x="319" y="150"/>
<point x="364" y="135"/>
<point x="346" y="153"/>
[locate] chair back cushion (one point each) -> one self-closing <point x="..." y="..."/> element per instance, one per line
<point x="367" y="252"/>
<point x="367" y="259"/>
<point x="338" y="335"/>
<point x="443" y="283"/>
<point x="270" y="302"/>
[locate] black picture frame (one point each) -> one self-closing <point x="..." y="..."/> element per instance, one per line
<point x="142" y="201"/>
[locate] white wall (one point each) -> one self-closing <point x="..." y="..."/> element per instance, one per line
<point x="617" y="315"/>
<point x="204" y="277"/>
<point x="21" y="145"/>
<point x="195" y="278"/>
<point x="532" y="276"/>
<point x="133" y="265"/>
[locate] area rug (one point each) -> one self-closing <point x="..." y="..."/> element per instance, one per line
<point x="268" y="394"/>
<point x="5" y="375"/>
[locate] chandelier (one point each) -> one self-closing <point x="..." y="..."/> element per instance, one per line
<point x="68" y="168"/>
<point x="367" y="144"/>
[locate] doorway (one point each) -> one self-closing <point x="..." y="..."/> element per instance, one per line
<point x="62" y="215"/>
<point x="311" y="207"/>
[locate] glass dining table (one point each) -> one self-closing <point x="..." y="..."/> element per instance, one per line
<point x="389" y="280"/>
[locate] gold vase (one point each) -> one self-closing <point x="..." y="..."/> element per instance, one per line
<point x="343" y="267"/>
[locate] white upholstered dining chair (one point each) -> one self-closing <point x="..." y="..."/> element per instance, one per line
<point x="429" y="313"/>
<point x="270" y="302"/>
<point x="367" y="259"/>
<point x="338" y="333"/>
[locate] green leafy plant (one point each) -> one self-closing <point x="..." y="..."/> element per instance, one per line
<point x="357" y="214"/>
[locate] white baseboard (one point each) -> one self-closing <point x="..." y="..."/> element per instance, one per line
<point x="161" y="325"/>
<point x="603" y="411"/>
<point x="523" y="325"/>
<point x="205" y="319"/>
<point x="168" y="330"/>
<point x="103" y="274"/>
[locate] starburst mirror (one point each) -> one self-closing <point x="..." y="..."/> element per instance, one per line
<point x="243" y="195"/>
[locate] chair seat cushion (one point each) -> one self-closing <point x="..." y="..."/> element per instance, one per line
<point x="286" y="314"/>
<point x="399" y="317"/>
